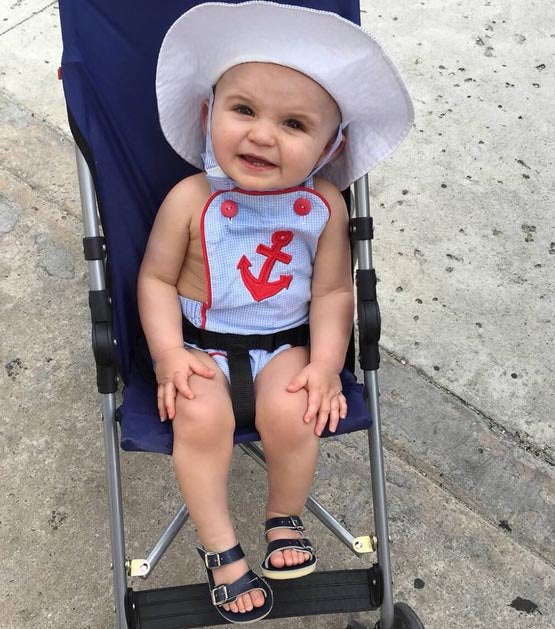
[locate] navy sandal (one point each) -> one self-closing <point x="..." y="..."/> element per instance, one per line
<point x="228" y="593"/>
<point x="302" y="544"/>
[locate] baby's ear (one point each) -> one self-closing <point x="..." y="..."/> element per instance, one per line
<point x="337" y="151"/>
<point x="204" y="115"/>
<point x="340" y="148"/>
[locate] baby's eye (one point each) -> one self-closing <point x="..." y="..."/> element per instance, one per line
<point x="243" y="109"/>
<point x="292" y="123"/>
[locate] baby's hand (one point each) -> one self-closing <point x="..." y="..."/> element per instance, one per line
<point x="173" y="369"/>
<point x="325" y="399"/>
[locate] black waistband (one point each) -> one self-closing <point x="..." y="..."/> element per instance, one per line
<point x="207" y="339"/>
<point x="237" y="347"/>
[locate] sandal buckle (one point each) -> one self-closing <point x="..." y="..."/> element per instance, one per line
<point x="208" y="557"/>
<point x="219" y="595"/>
<point x="296" y="523"/>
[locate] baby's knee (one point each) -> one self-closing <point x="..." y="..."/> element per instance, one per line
<point x="202" y="421"/>
<point x="280" y="417"/>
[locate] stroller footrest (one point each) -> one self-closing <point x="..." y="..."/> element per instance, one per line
<point x="333" y="592"/>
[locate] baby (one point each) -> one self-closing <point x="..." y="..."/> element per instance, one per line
<point x="240" y="258"/>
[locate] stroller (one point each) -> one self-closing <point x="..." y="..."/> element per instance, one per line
<point x="125" y="169"/>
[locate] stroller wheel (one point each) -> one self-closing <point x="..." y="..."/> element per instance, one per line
<point x="403" y="618"/>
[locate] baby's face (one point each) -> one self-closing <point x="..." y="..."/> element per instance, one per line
<point x="271" y="125"/>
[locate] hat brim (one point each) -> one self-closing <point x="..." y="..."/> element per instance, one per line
<point x="345" y="59"/>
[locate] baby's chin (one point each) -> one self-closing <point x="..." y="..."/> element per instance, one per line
<point x="267" y="182"/>
<point x="267" y="187"/>
<point x="262" y="184"/>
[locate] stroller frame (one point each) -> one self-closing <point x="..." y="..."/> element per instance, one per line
<point x="372" y="587"/>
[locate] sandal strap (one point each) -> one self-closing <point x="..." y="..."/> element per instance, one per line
<point x="227" y="593"/>
<point x="292" y="522"/>
<point x="301" y="544"/>
<point x="215" y="560"/>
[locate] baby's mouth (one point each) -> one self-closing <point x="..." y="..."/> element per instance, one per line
<point x="256" y="161"/>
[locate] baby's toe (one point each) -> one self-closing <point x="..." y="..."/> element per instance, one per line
<point x="302" y="557"/>
<point x="257" y="598"/>
<point x="277" y="560"/>
<point x="288" y="557"/>
<point x="247" y="602"/>
<point x="241" y="604"/>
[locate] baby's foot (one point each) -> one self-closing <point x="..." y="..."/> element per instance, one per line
<point x="287" y="557"/>
<point x="229" y="574"/>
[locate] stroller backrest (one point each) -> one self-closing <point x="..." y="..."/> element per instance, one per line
<point x="108" y="71"/>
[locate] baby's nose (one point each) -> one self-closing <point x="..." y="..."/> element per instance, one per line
<point x="262" y="133"/>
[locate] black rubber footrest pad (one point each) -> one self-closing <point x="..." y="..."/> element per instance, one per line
<point x="181" y="607"/>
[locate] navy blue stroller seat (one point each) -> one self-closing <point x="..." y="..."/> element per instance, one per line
<point x="126" y="168"/>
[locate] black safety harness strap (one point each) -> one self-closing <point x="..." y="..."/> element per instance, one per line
<point x="237" y="347"/>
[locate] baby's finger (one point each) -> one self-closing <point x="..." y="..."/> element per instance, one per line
<point x="160" y="402"/>
<point x="324" y="412"/>
<point x="334" y="415"/>
<point x="313" y="406"/>
<point x="169" y="399"/>
<point x="201" y="369"/>
<point x="182" y="385"/>
<point x="343" y="408"/>
<point x="320" y="424"/>
<point x="298" y="382"/>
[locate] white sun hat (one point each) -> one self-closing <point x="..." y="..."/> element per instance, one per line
<point x="346" y="60"/>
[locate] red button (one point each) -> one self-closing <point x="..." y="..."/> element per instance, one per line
<point x="229" y="209"/>
<point x="302" y="206"/>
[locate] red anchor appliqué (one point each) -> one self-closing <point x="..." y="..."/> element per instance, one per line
<point x="259" y="287"/>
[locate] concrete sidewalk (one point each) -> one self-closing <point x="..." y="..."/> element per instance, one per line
<point x="464" y="250"/>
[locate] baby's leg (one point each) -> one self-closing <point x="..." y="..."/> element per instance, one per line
<point x="290" y="445"/>
<point x="203" y="444"/>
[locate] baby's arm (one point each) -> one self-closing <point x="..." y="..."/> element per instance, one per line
<point x="158" y="300"/>
<point x="331" y="318"/>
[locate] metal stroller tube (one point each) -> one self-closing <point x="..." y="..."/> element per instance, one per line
<point x="364" y="257"/>
<point x="111" y="447"/>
